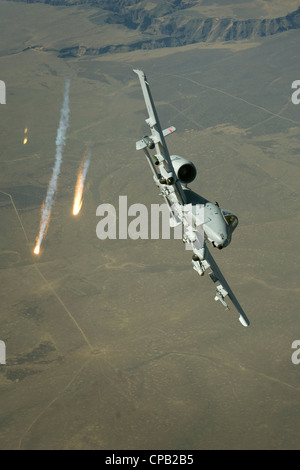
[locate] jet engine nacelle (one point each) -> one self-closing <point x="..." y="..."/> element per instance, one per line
<point x="185" y="170"/>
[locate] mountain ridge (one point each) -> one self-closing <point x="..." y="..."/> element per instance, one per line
<point x="173" y="24"/>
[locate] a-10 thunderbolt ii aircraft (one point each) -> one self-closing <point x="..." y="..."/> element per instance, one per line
<point x="204" y="222"/>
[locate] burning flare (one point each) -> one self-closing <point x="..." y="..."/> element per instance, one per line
<point x="84" y="166"/>
<point x="25" y="138"/>
<point x="77" y="202"/>
<point x="36" y="251"/>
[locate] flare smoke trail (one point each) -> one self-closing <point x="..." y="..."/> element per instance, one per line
<point x="83" y="169"/>
<point x="60" y="143"/>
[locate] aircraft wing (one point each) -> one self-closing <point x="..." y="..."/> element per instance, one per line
<point x="157" y="140"/>
<point x="223" y="288"/>
<point x="171" y="189"/>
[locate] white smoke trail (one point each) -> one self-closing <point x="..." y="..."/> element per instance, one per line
<point x="60" y="143"/>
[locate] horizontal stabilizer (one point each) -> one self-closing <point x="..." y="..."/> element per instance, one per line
<point x="143" y="143"/>
<point x="169" y="130"/>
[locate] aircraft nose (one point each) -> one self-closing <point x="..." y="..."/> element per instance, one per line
<point x="220" y="241"/>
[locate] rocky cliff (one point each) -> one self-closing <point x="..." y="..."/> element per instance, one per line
<point x="170" y="24"/>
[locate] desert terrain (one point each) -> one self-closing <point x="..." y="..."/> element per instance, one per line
<point x="119" y="344"/>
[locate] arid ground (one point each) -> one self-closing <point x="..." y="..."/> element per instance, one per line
<point x="119" y="344"/>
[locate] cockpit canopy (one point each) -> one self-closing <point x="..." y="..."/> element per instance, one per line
<point x="231" y="220"/>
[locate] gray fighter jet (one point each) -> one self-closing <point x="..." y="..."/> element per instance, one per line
<point x="203" y="222"/>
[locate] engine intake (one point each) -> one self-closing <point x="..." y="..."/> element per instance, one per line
<point x="185" y="170"/>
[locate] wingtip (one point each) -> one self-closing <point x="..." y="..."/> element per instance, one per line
<point x="138" y="71"/>
<point x="244" y="321"/>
